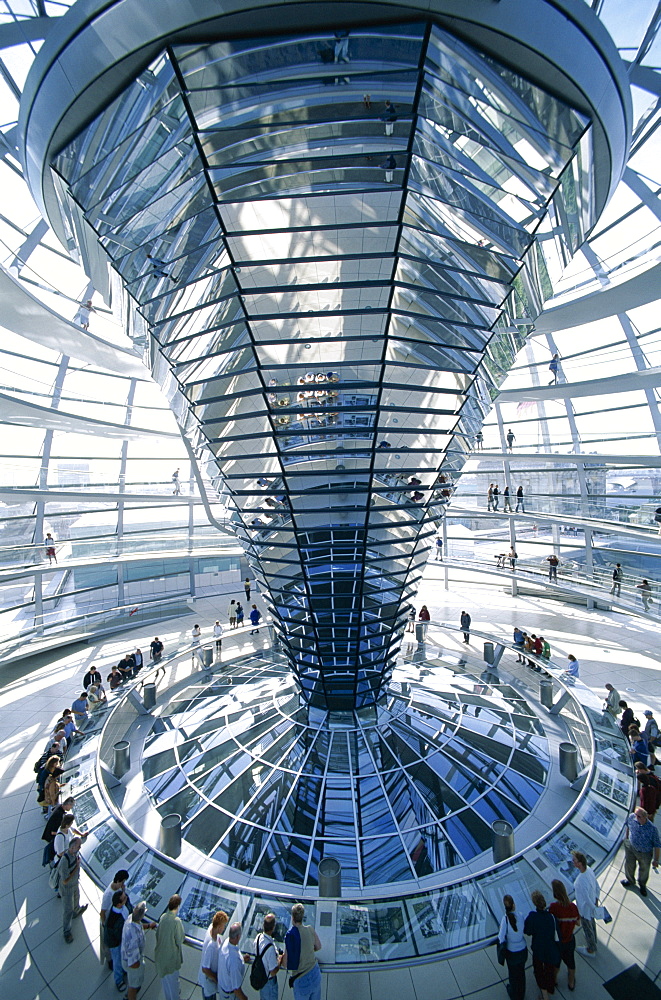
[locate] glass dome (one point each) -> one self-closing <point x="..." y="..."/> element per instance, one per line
<point x="407" y="789"/>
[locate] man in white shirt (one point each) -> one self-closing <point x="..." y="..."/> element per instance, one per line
<point x="231" y="967"/>
<point x="218" y="636"/>
<point x="587" y="891"/>
<point x="207" y="977"/>
<point x="265" y="946"/>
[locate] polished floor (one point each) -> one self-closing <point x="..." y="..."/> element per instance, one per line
<point x="35" y="962"/>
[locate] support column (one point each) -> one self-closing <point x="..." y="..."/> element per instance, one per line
<point x="508" y="482"/>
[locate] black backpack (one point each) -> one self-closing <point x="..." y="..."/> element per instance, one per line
<point x="258" y="975"/>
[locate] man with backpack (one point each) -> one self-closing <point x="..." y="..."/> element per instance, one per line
<point x="267" y="961"/>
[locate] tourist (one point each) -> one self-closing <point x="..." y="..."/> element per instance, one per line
<point x="641" y="848"/>
<point x="568" y="919"/>
<point x="542" y="928"/>
<point x="168" y="953"/>
<point x="516" y="954"/>
<point x="586" y="891"/>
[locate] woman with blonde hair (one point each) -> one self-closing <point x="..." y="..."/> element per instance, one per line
<point x="208" y="975"/>
<point x="567" y="918"/>
<point x="510" y="934"/>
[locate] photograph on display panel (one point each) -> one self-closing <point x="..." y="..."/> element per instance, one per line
<point x="353" y="940"/>
<point x="282" y="913"/>
<point x="602" y="822"/>
<point x="110" y="848"/>
<point x="199" y="901"/>
<point x="147" y="880"/>
<point x="87" y="811"/>
<point x="613" y="785"/>
<point x="557" y="851"/>
<point x="446" y="918"/>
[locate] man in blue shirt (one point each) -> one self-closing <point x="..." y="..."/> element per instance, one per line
<point x="79" y="709"/>
<point x="255" y="616"/>
<point x="642" y="840"/>
<point x="518" y="639"/>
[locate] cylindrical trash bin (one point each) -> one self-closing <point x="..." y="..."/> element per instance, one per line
<point x="205" y="655"/>
<point x="420" y="631"/>
<point x="569" y="761"/>
<point x="149" y="695"/>
<point x="502" y="833"/>
<point x="170" y="840"/>
<point x="330" y="877"/>
<point x="488" y="652"/>
<point x="121" y="758"/>
<point x="546" y="692"/>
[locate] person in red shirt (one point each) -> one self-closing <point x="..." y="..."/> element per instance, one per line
<point x="568" y="919"/>
<point x="649" y="789"/>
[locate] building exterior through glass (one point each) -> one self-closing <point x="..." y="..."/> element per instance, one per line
<point x="337" y="240"/>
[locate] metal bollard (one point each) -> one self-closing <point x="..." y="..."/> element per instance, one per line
<point x="420" y="632"/>
<point x="546" y="692"/>
<point x="149" y="695"/>
<point x="170" y="839"/>
<point x="330" y="878"/>
<point x="121" y="758"/>
<point x="503" y="840"/>
<point x="205" y="655"/>
<point x="568" y="761"/>
<point x="488" y="652"/>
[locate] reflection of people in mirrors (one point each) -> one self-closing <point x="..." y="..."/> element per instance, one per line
<point x="389" y="116"/>
<point x="159" y="268"/>
<point x="389" y="165"/>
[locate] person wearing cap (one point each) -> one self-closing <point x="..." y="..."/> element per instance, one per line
<point x="651" y="733"/>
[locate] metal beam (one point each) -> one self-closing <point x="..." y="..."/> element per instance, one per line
<point x="602" y="303"/>
<point x="26" y="414"/>
<point x="637" y="461"/>
<point x="627" y="382"/>
<point x="24" y="314"/>
<point x="17" y="494"/>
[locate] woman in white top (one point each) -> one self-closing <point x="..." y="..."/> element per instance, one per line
<point x="511" y="935"/>
<point x="64" y="836"/>
<point x="196" y="632"/>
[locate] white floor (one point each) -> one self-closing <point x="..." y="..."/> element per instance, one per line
<point x="35" y="962"/>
